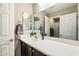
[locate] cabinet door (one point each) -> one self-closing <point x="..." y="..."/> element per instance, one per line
<point x="23" y="49"/>
<point x="29" y="50"/>
<point x="38" y="53"/>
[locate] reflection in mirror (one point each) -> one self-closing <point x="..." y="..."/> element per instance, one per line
<point x="60" y="21"/>
<point x="36" y="23"/>
<point x="27" y="21"/>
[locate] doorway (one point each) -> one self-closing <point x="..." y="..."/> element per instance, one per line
<point x="56" y="22"/>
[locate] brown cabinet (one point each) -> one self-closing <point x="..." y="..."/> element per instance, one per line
<point x="38" y="53"/>
<point x="27" y="50"/>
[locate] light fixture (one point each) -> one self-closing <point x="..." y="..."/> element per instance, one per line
<point x="25" y="15"/>
<point x="43" y="6"/>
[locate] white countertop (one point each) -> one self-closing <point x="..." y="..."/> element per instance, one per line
<point x="50" y="47"/>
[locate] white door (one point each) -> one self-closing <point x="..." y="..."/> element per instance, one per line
<point x="47" y="26"/>
<point x="68" y="26"/>
<point x="7" y="29"/>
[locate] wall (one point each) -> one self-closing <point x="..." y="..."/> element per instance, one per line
<point x="20" y="8"/>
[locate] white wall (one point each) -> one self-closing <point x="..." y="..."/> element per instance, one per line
<point x="20" y="8"/>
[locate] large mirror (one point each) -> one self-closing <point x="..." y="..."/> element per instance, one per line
<point x="59" y="20"/>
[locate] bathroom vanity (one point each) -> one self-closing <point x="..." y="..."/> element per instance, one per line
<point x="27" y="50"/>
<point x="48" y="47"/>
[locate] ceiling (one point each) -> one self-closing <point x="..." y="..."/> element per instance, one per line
<point x="59" y="6"/>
